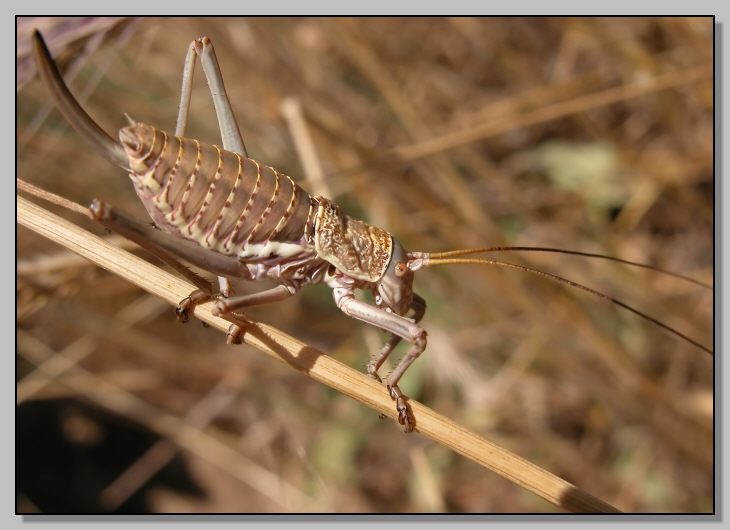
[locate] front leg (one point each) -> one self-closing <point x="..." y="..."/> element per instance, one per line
<point x="418" y="305"/>
<point x="397" y="325"/>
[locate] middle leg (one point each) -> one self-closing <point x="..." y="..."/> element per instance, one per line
<point x="227" y="305"/>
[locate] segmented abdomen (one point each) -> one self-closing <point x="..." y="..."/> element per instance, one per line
<point x="217" y="198"/>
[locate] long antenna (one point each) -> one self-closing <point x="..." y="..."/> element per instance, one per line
<point x="465" y="251"/>
<point x="428" y="260"/>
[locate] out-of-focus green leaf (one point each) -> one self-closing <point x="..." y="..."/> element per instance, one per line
<point x="588" y="169"/>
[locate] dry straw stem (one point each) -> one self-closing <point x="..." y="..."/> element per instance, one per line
<point x="312" y="362"/>
<point x="576" y="105"/>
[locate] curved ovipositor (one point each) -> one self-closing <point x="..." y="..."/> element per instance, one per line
<point x="70" y="108"/>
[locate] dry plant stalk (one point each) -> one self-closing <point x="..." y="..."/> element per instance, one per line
<point x="313" y="363"/>
<point x="480" y="131"/>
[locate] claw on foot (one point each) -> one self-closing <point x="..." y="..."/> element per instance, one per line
<point x="234" y="334"/>
<point x="405" y="415"/>
<point x="182" y="310"/>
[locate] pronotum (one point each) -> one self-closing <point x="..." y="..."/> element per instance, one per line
<point x="219" y="209"/>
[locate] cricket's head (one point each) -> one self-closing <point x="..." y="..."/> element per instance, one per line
<point x="395" y="287"/>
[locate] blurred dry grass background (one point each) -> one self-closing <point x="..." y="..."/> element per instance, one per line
<point x="580" y="133"/>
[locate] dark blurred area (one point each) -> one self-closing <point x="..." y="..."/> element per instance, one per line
<point x="82" y="449"/>
<point x="591" y="134"/>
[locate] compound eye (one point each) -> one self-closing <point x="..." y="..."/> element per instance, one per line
<point x="401" y="269"/>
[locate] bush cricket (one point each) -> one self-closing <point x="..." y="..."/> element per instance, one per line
<point x="218" y="209"/>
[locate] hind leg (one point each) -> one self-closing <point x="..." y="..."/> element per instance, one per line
<point x="171" y="249"/>
<point x="230" y="133"/>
